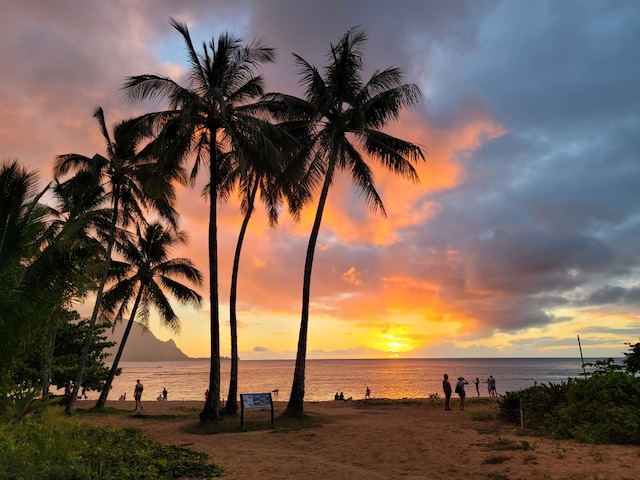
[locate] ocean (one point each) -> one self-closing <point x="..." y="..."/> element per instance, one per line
<point x="387" y="378"/>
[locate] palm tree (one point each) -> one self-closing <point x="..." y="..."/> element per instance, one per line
<point x="133" y="182"/>
<point x="348" y="115"/>
<point x="23" y="232"/>
<point x="150" y="275"/>
<point x="211" y="120"/>
<point x="277" y="181"/>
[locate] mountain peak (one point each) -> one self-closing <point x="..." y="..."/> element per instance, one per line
<point x="143" y="346"/>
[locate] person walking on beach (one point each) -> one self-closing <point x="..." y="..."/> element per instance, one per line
<point x="367" y="393"/>
<point x="446" y="387"/>
<point x="492" y="386"/>
<point x="477" y="384"/>
<point x="460" y="390"/>
<point x="137" y="394"/>
<point x="489" y="386"/>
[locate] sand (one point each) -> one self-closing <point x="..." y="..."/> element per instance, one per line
<point x="401" y="440"/>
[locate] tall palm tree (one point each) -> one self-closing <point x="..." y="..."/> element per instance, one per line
<point x="348" y="115"/>
<point x="150" y="274"/>
<point x="133" y="182"/>
<point x="276" y="180"/>
<point x="213" y="119"/>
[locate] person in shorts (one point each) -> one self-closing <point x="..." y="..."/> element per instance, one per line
<point x="137" y="394"/>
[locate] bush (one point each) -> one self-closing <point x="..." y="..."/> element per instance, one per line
<point x="59" y="447"/>
<point x="603" y="408"/>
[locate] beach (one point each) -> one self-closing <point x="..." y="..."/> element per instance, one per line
<point x="412" y="439"/>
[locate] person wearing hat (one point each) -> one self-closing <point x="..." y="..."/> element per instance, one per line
<point x="460" y="390"/>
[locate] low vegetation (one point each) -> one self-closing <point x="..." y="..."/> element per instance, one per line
<point x="601" y="408"/>
<point x="56" y="447"/>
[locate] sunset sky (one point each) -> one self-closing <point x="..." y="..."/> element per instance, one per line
<point x="523" y="233"/>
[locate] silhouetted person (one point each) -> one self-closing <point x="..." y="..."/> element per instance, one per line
<point x="137" y="394"/>
<point x="446" y="387"/>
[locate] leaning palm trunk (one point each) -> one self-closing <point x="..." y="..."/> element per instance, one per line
<point x="296" y="399"/>
<point x="116" y="360"/>
<point x="96" y="308"/>
<point x="231" y="406"/>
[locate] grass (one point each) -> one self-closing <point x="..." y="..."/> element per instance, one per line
<point x="496" y="459"/>
<point x="483" y="416"/>
<point x="388" y="402"/>
<point x="256" y="421"/>
<point x="55" y="446"/>
<point x="502" y="443"/>
<point x="183" y="412"/>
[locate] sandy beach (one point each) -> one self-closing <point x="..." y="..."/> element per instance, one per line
<point x="394" y="440"/>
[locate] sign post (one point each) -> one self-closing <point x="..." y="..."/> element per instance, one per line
<point x="255" y="400"/>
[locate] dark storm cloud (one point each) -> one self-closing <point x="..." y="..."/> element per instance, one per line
<point x="614" y="295"/>
<point x="552" y="205"/>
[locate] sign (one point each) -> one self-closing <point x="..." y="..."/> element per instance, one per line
<point x="255" y="400"/>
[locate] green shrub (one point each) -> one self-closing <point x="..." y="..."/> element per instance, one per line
<point x="58" y="447"/>
<point x="602" y="408"/>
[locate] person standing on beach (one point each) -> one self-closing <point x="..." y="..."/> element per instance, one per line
<point x="137" y="394"/>
<point x="164" y="394"/>
<point x="477" y="384"/>
<point x="492" y="386"/>
<point x="446" y="387"/>
<point x="367" y="393"/>
<point x="460" y="390"/>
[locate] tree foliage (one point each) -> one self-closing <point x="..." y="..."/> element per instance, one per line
<point x="602" y="407"/>
<point x="632" y="358"/>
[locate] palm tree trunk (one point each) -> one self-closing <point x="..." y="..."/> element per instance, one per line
<point x="231" y="406"/>
<point x="96" y="308"/>
<point x="116" y="360"/>
<point x="295" y="406"/>
<point x="51" y="345"/>
<point x="211" y="410"/>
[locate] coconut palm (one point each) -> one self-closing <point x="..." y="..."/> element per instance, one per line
<point x="276" y="180"/>
<point x="149" y="276"/>
<point x="133" y="183"/>
<point x="348" y="115"/>
<point x="214" y="121"/>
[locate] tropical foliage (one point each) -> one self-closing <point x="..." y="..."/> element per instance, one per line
<point x="147" y="273"/>
<point x="602" y="407"/>
<point x="55" y="448"/>
<point x="131" y="181"/>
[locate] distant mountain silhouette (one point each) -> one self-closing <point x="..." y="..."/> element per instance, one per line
<point x="143" y="346"/>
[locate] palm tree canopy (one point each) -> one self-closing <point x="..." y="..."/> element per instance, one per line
<point x="147" y="268"/>
<point x="348" y="114"/>
<point x="215" y="106"/>
<point x="128" y="174"/>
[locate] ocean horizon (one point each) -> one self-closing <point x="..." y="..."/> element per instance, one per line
<point x="387" y="378"/>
